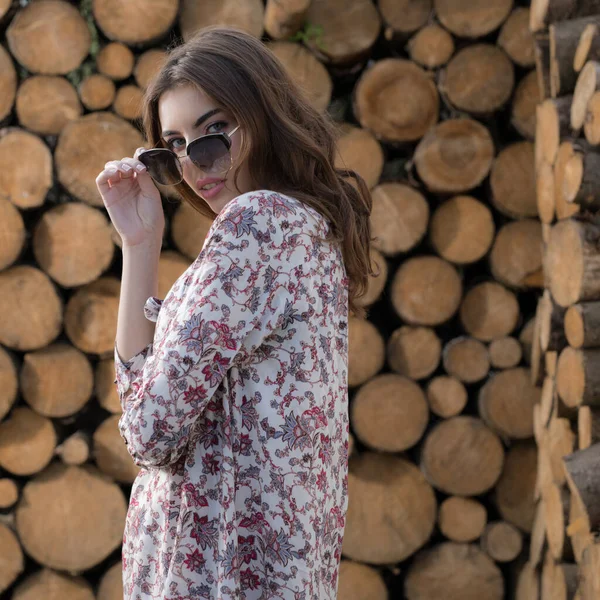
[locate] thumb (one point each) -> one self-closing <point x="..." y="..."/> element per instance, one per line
<point x="146" y="183"/>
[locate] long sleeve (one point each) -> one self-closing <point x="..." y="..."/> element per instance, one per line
<point x="237" y="292"/>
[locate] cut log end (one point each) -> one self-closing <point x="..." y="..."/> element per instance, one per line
<point x="366" y="351"/>
<point x="455" y="571"/>
<point x="462" y="519"/>
<point x="447" y="396"/>
<point x="396" y="100"/>
<point x="479" y="79"/>
<point x="505" y="353"/>
<point x="525" y="101"/>
<point x="138" y="23"/>
<point x="467" y="359"/>
<point x="284" y="19"/>
<point x="571" y="262"/>
<point x="444" y="152"/>
<point x="8" y="83"/>
<point x="381" y="535"/>
<point x="97" y="92"/>
<point x="574" y="326"/>
<point x="489" y="311"/>
<point x="506" y="403"/>
<point x="399" y="217"/>
<point x="414" y="351"/>
<point x="431" y="46"/>
<point x="516" y="258"/>
<point x="512" y="181"/>
<point x="462" y="230"/>
<point x="515" y="38"/>
<point x="426" y="290"/>
<point x="49" y="37"/>
<point x="462" y="456"/>
<point x="64" y="544"/>
<point x="502" y="541"/>
<point x="588" y="82"/>
<point x="545" y="193"/>
<point x="27" y="173"/>
<point x="384" y="423"/>
<point x="116" y="61"/>
<point x="474" y="19"/>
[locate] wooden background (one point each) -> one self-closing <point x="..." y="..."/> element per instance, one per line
<point x="437" y="102"/>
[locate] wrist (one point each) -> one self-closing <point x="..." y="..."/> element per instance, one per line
<point x="148" y="245"/>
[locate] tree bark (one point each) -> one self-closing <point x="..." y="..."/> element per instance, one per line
<point x="564" y="39"/>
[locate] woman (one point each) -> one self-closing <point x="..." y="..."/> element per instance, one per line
<point x="234" y="387"/>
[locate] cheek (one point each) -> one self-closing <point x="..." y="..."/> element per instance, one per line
<point x="189" y="174"/>
<point x="235" y="148"/>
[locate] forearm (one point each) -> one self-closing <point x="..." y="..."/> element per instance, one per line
<point x="139" y="281"/>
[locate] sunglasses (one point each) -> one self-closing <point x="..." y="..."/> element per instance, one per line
<point x="209" y="152"/>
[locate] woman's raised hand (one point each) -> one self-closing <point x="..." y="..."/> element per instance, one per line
<point x="132" y="201"/>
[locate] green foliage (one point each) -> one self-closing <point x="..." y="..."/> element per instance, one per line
<point x="84" y="70"/>
<point x="23" y="72"/>
<point x="89" y="66"/>
<point x="309" y="32"/>
<point x="85" y="8"/>
<point x="339" y="107"/>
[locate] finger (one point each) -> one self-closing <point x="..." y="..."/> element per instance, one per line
<point x="106" y="178"/>
<point x="116" y="164"/>
<point x="117" y="173"/>
<point x="136" y="165"/>
<point x="124" y="169"/>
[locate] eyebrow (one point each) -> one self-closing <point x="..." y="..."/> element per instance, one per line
<point x="198" y="122"/>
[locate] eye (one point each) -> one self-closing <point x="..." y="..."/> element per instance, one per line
<point x="176" y="144"/>
<point x="222" y="126"/>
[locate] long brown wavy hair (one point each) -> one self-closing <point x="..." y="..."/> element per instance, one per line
<point x="291" y="147"/>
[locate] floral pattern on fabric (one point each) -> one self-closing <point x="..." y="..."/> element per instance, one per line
<point x="237" y="413"/>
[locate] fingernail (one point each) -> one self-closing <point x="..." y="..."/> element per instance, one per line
<point x="126" y="168"/>
<point x="111" y="170"/>
<point x="140" y="168"/>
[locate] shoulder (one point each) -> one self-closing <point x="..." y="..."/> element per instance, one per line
<point x="263" y="215"/>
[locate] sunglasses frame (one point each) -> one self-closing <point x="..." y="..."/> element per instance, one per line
<point x="221" y="135"/>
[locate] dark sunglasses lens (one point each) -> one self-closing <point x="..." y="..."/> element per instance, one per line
<point x="162" y="166"/>
<point x="209" y="154"/>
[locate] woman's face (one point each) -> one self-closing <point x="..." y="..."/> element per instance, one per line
<point x="186" y="113"/>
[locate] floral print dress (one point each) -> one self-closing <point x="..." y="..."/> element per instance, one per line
<point x="237" y="414"/>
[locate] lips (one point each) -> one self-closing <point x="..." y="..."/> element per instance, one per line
<point x="202" y="182"/>
<point x="214" y="191"/>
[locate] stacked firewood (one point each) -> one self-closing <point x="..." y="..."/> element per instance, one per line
<point x="564" y="554"/>
<point x="436" y="104"/>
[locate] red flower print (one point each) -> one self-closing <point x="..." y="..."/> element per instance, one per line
<point x="204" y="531"/>
<point x="195" y="561"/>
<point x="211" y="464"/>
<point x="213" y="372"/>
<point x="246" y="548"/>
<point x="249" y="580"/>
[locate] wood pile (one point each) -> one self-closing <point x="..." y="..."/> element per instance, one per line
<point x="436" y="103"/>
<point x="564" y="552"/>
